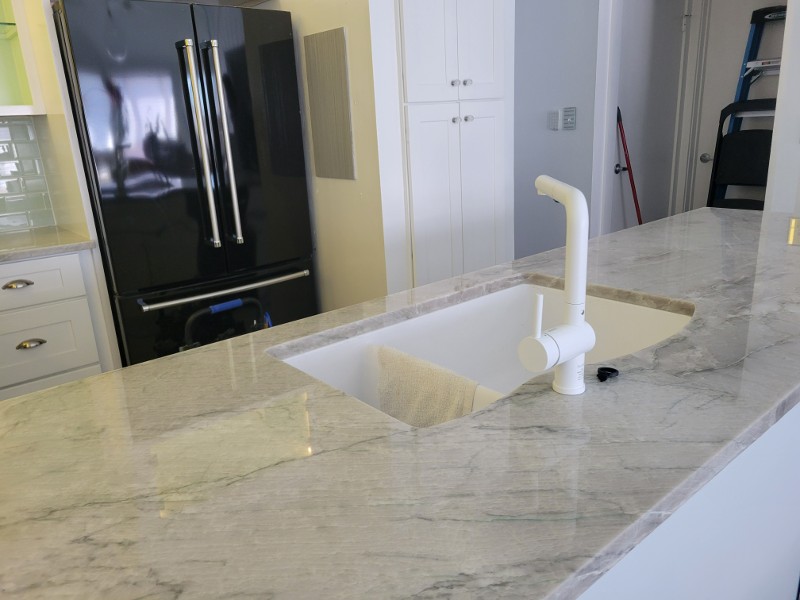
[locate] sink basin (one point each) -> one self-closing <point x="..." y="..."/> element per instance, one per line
<point x="478" y="339"/>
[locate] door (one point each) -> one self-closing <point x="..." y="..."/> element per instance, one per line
<point x="180" y="321"/>
<point x="250" y="80"/>
<point x="457" y="187"/>
<point x="483" y="202"/>
<point x="140" y="142"/>
<point x="435" y="191"/>
<point x="430" y="50"/>
<point x="724" y="28"/>
<point x="480" y="48"/>
<point x="453" y="49"/>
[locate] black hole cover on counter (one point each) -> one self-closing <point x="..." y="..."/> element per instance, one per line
<point x="604" y="373"/>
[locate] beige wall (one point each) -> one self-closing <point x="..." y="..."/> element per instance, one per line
<point x="56" y="139"/>
<point x="347" y="214"/>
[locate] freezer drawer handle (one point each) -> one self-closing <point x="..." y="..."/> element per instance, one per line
<point x="200" y="130"/>
<point x="226" y="138"/>
<point x="31" y="343"/>
<point x="242" y="288"/>
<point x="17" y="284"/>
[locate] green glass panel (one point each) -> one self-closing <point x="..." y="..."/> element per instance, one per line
<point x="14" y="88"/>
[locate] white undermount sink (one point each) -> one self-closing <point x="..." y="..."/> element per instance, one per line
<point x="478" y="339"/>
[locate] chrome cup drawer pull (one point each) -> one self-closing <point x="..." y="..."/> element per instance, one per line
<point x="17" y="284"/>
<point x="31" y="343"/>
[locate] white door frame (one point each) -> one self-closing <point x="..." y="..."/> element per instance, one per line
<point x="606" y="99"/>
<point x="696" y="22"/>
<point x="692" y="74"/>
<point x="387" y="77"/>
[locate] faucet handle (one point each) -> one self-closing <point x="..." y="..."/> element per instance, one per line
<point x="538" y="305"/>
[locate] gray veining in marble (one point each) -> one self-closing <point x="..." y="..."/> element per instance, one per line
<point x="223" y="472"/>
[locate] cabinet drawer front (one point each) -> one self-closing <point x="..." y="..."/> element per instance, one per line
<point x="69" y="343"/>
<point x="32" y="282"/>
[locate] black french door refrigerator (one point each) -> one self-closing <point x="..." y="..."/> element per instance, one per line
<point x="189" y="121"/>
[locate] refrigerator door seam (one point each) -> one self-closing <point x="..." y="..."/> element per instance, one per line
<point x="226" y="139"/>
<point x="235" y="290"/>
<point x="188" y="47"/>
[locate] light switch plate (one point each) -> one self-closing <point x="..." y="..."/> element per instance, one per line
<point x="554" y="118"/>
<point x="570" y="117"/>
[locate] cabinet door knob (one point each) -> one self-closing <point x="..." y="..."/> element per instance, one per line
<point x="455" y="83"/>
<point x="31" y="343"/>
<point x="17" y="284"/>
<point x="456" y="119"/>
<point x="469" y="118"/>
<point x="468" y="82"/>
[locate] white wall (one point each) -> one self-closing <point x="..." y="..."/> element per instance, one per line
<point x="595" y="56"/>
<point x="347" y="214"/>
<point x="650" y="55"/>
<point x="783" y="185"/>
<point x="555" y="66"/>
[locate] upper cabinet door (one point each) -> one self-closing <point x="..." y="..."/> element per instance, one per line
<point x="480" y="49"/>
<point x="19" y="94"/>
<point x="430" y="48"/>
<point x="453" y="49"/>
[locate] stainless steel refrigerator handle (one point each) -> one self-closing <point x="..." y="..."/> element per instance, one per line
<point x="200" y="131"/>
<point x="243" y="288"/>
<point x="226" y="139"/>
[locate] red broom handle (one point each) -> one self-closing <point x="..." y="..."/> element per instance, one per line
<point x="628" y="164"/>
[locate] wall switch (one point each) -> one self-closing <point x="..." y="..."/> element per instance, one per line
<point x="569" y="119"/>
<point x="554" y="119"/>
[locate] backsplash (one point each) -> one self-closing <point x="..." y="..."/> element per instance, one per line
<point x="24" y="196"/>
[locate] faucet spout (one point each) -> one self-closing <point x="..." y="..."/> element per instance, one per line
<point x="566" y="345"/>
<point x="575" y="265"/>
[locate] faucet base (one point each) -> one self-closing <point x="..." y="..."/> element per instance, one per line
<point x="569" y="377"/>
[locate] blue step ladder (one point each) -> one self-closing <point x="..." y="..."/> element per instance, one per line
<point x="752" y="66"/>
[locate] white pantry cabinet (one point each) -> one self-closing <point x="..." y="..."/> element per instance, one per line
<point x="46" y="332"/>
<point x="457" y="65"/>
<point x="453" y="49"/>
<point x="456" y="186"/>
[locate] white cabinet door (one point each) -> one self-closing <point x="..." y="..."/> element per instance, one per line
<point x="453" y="49"/>
<point x="430" y="50"/>
<point x="480" y="48"/>
<point x="457" y="187"/>
<point x="45" y="340"/>
<point x="483" y="197"/>
<point x="435" y="191"/>
<point x="40" y="280"/>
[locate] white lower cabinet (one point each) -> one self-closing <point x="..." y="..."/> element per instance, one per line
<point x="459" y="197"/>
<point x="46" y="332"/>
<point x="738" y="538"/>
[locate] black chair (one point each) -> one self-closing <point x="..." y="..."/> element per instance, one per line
<point x="741" y="156"/>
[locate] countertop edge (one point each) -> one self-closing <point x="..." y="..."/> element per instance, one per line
<point x="39" y="243"/>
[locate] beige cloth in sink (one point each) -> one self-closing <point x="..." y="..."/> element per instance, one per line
<point x="421" y="393"/>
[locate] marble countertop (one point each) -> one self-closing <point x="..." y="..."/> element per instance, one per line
<point x="42" y="241"/>
<point x="224" y="472"/>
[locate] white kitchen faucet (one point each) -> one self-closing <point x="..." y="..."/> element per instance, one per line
<point x="564" y="346"/>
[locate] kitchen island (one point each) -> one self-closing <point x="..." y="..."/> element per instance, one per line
<point x="224" y="472"/>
